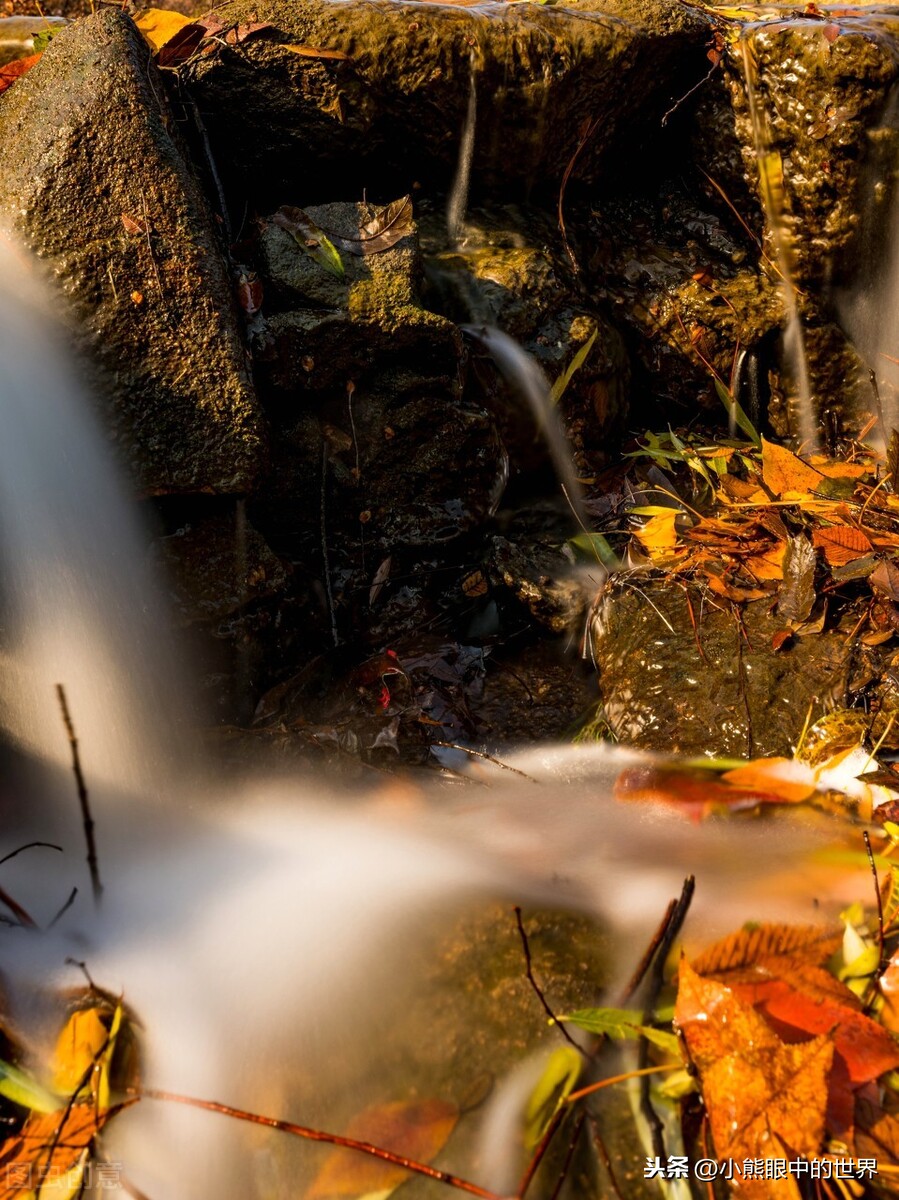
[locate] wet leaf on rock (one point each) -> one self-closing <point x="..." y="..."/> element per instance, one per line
<point x="416" y="1129"/>
<point x="314" y="51"/>
<point x="312" y="240"/>
<point x="387" y="227"/>
<point x="797" y="593"/>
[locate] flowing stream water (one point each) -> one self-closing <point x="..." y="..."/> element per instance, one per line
<point x="264" y="939"/>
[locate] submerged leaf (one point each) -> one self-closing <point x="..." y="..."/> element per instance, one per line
<point x="797" y="593"/>
<point x="561" y="1073"/>
<point x="416" y="1129"/>
<point x="310" y="238"/>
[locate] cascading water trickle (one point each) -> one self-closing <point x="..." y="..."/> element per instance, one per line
<point x="771" y="188"/>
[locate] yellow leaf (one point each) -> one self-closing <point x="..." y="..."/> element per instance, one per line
<point x="783" y="472"/>
<point x="659" y="536"/>
<point x="159" y="26"/>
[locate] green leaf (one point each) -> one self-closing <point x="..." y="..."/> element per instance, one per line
<point x="735" y="410"/>
<point x="593" y="547"/>
<point x="558" y="388"/>
<point x="677" y="1085"/>
<point x="622" y="1023"/>
<point x="43" y="37"/>
<point x="557" y="1081"/>
<point x="21" y="1089"/>
<point x="310" y="239"/>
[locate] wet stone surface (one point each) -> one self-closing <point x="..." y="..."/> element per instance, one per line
<point x="680" y="675"/>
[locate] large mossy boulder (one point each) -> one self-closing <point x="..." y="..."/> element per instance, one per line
<point x="94" y="180"/>
<point x="378" y="92"/>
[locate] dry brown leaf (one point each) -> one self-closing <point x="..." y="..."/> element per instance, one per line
<point x="786" y="474"/>
<point x="416" y="1129"/>
<point x="765" y="944"/>
<point x="885" y="578"/>
<point x="841" y="544"/>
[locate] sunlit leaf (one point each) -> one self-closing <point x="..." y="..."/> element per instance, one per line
<point x="621" y="1023"/>
<point x="841" y="544"/>
<point x="766" y="943"/>
<point x="19" y="1087"/>
<point x="313" y="51"/>
<point x="387" y="227"/>
<point x="786" y="474"/>
<point x="558" y="388"/>
<point x="310" y="238"/>
<point x="159" y="25"/>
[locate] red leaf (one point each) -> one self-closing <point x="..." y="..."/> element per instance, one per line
<point x="14" y="70"/>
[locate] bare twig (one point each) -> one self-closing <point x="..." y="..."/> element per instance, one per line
<point x="566" y="1165"/>
<point x="488" y="758"/>
<point x="881" y="964"/>
<point x="538" y="992"/>
<point x="588" y="133"/>
<point x="326" y="565"/>
<point x="65" y="908"/>
<point x="649" y="954"/>
<point x="542" y="1146"/>
<point x="604" y="1156"/>
<point x="28" y="846"/>
<point x="16" y="909"/>
<point x="87" y="819"/>
<point x="319" y="1135"/>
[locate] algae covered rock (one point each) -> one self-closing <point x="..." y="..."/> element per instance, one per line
<point x="380" y="92"/>
<point x="508" y="270"/>
<point x="95" y="182"/>
<point x="682" y="676"/>
<point x="364" y="385"/>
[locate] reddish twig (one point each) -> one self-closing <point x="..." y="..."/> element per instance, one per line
<point x="17" y="910"/>
<point x="604" y="1156"/>
<point x="542" y="1146"/>
<point x="319" y="1135"/>
<point x="566" y="1165"/>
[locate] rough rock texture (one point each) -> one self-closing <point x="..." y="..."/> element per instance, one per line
<point x="373" y="440"/>
<point x="508" y="270"/>
<point x="813" y="98"/>
<point x="734" y="698"/>
<point x="94" y="181"/>
<point x="389" y="103"/>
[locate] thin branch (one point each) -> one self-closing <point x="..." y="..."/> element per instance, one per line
<point x="17" y="910"/>
<point x="28" y="846"/>
<point x="646" y="961"/>
<point x="881" y="964"/>
<point x="543" y="1145"/>
<point x="319" y="1135"/>
<point x="65" y="908"/>
<point x="487" y="758"/>
<point x="604" y="1156"/>
<point x="566" y="1165"/>
<point x="87" y="819"/>
<point x="538" y="992"/>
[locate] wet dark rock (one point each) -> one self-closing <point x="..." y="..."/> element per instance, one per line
<point x="374" y="442"/>
<point x="685" y="287"/>
<point x="95" y="181"/>
<point x="230" y="593"/>
<point x="509" y="271"/>
<point x="734" y="697"/>
<point x="541" y="579"/>
<point x="393" y="107"/>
